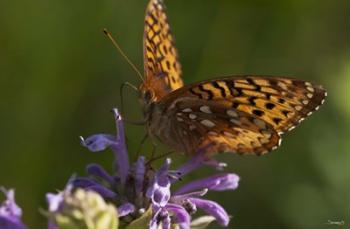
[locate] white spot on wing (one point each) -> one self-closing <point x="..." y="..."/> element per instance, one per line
<point x="235" y="121"/>
<point x="308" y="84"/>
<point x="309" y="95"/>
<point x="207" y="123"/>
<point x="310" y="88"/>
<point x="232" y="113"/>
<point x="291" y="128"/>
<point x="187" y="110"/>
<point x="282" y="85"/>
<point x="179" y="119"/>
<point x="298" y="108"/>
<point x="192" y="116"/>
<point x="279" y="141"/>
<point x="205" y="109"/>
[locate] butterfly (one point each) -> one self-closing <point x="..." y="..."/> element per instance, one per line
<point x="237" y="114"/>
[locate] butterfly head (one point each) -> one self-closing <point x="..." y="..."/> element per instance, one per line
<point x="147" y="98"/>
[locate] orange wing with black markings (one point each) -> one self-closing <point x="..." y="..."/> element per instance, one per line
<point x="162" y="68"/>
<point x="245" y="114"/>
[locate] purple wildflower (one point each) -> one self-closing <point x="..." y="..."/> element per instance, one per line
<point x="138" y="187"/>
<point x="10" y="212"/>
<point x="188" y="198"/>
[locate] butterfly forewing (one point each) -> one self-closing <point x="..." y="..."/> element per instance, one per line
<point x="162" y="68"/>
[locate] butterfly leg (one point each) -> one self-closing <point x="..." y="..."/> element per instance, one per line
<point x="154" y="150"/>
<point x="159" y="157"/>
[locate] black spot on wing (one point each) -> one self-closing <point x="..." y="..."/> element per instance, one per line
<point x="196" y="93"/>
<point x="208" y="92"/>
<point x="270" y="106"/>
<point x="276" y="120"/>
<point x="258" y="112"/>
<point x="222" y="90"/>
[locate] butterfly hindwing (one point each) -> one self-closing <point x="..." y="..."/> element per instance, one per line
<point x="162" y="68"/>
<point x="262" y="105"/>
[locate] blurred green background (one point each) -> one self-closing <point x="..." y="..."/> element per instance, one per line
<point x="60" y="77"/>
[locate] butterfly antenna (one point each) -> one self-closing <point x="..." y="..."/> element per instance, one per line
<point x="110" y="37"/>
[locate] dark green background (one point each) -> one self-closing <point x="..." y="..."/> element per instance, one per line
<point x="60" y="77"/>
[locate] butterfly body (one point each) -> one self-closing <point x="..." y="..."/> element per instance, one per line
<point x="238" y="114"/>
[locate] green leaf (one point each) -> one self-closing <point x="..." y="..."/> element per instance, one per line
<point x="142" y="222"/>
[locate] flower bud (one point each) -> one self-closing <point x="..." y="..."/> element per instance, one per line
<point x="85" y="209"/>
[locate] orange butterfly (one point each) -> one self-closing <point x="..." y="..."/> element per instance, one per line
<point x="242" y="114"/>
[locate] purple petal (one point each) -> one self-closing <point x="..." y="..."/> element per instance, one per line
<point x="98" y="171"/>
<point x="160" y="216"/>
<point x="125" y="209"/>
<point x="166" y="222"/>
<point x="212" y="208"/>
<point x="9" y="206"/>
<point x="218" y="182"/>
<point x="104" y="192"/>
<point x="97" y="142"/>
<point x="83" y="182"/>
<point x="162" y="173"/>
<point x="182" y="218"/>
<point x="189" y="166"/>
<point x="139" y="174"/>
<point x="51" y="224"/>
<point x="198" y="161"/>
<point x="159" y="190"/>
<point x="54" y="201"/>
<point x="10" y="223"/>
<point x="119" y="149"/>
<point x="153" y="224"/>
<point x="180" y="199"/>
<point x="10" y="212"/>
<point x="89" y="184"/>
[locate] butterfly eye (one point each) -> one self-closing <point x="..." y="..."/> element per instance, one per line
<point x="148" y="95"/>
